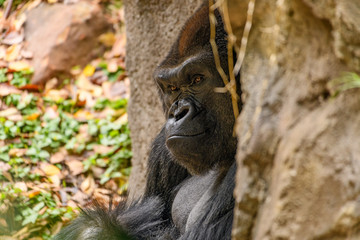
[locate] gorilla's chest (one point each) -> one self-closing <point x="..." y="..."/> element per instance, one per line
<point x="190" y="200"/>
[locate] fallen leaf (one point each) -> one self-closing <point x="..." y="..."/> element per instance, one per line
<point x="101" y="149"/>
<point x="37" y="171"/>
<point x="83" y="134"/>
<point x="72" y="204"/>
<point x="118" y="49"/>
<point x="6" y="89"/>
<point x="3" y="64"/>
<point x="33" y="116"/>
<point x="49" y="169"/>
<point x="111" y="184"/>
<point x="55" y="228"/>
<point x="115" y="90"/>
<point x="97" y="171"/>
<point x="17" y="152"/>
<point x="19" y="21"/>
<point x="85" y="84"/>
<point x="55" y="179"/>
<point x="51" y="112"/>
<point x="52" y="1"/>
<point x="15" y="117"/>
<point x="30" y="87"/>
<point x="8" y="112"/>
<point x="88" y="185"/>
<point x="76" y="167"/>
<point x="112" y="66"/>
<point x="33" y="4"/>
<point x="33" y="193"/>
<point x="19" y="66"/>
<point x="22" y="186"/>
<point x="51" y="84"/>
<point x="12" y="52"/>
<point x="26" y="54"/>
<point x="80" y="198"/>
<point x="13" y="37"/>
<point x="98" y="78"/>
<point x="108" y="39"/>
<point x="88" y="97"/>
<point x="89" y="70"/>
<point x="58" y="157"/>
<point x="83" y="115"/>
<point x="57" y="95"/>
<point x="4" y="166"/>
<point x="122" y="120"/>
<point x="80" y="101"/>
<point x="2" y="52"/>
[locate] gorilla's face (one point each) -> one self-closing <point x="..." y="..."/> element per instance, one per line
<point x="199" y="120"/>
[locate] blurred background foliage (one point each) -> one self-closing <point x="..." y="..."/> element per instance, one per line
<point x="64" y="142"/>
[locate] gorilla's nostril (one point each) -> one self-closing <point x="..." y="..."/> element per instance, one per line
<point x="181" y="114"/>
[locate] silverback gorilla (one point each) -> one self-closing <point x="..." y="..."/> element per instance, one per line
<point x="190" y="178"/>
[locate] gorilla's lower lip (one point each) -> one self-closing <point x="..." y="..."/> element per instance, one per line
<point x="186" y="136"/>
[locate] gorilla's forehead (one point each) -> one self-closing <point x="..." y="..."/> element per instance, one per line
<point x="196" y="62"/>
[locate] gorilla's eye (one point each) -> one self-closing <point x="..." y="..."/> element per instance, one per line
<point x="173" y="88"/>
<point x="197" y="79"/>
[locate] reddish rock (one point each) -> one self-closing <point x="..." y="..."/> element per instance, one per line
<point x="61" y="36"/>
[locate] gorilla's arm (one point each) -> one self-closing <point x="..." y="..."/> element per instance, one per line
<point x="148" y="218"/>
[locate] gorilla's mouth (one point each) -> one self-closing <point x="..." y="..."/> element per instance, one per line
<point x="186" y="135"/>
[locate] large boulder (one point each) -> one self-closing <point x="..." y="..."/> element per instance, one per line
<point x="61" y="36"/>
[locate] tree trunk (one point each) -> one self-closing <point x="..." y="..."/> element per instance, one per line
<point x="299" y="147"/>
<point x="151" y="28"/>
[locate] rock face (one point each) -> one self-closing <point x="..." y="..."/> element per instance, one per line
<point x="151" y="28"/>
<point x="299" y="148"/>
<point x="298" y="154"/>
<point x="62" y="36"/>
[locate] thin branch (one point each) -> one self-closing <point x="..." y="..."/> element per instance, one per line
<point x="231" y="87"/>
<point x="244" y="39"/>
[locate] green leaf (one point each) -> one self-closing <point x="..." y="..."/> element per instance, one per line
<point x="5" y="157"/>
<point x="44" y="154"/>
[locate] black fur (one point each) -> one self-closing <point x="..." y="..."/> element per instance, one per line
<point x="193" y="153"/>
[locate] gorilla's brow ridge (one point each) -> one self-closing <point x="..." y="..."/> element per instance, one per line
<point x="176" y="70"/>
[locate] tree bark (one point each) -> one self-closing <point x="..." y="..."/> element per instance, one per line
<point x="151" y="28"/>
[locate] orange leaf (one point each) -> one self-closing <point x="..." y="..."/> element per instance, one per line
<point x="12" y="52"/>
<point x="83" y="115"/>
<point x="33" y="116"/>
<point x="19" y="66"/>
<point x="49" y="169"/>
<point x="33" y="193"/>
<point x="30" y="87"/>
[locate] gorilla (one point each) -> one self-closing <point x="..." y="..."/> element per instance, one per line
<point x="191" y="166"/>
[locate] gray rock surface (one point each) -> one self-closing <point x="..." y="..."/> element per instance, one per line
<point x="298" y="154"/>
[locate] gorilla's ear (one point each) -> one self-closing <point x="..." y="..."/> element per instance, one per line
<point x="196" y="32"/>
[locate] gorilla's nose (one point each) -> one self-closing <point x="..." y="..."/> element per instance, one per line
<point x="181" y="109"/>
